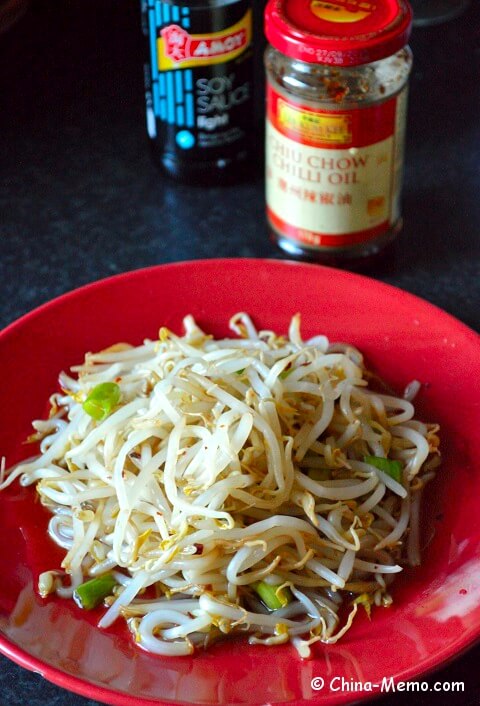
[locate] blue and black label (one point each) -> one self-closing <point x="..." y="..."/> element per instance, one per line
<point x="199" y="78"/>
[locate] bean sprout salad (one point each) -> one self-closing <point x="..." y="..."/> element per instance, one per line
<point x="257" y="484"/>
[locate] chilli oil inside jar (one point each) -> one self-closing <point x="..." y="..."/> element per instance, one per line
<point x="337" y="73"/>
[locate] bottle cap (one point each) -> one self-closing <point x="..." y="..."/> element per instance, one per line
<point x="338" y="32"/>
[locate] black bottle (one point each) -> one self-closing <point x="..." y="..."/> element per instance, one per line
<point x="199" y="88"/>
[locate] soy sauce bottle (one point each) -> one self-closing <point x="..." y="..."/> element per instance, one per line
<point x="199" y="87"/>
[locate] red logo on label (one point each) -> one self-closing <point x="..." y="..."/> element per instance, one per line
<point x="182" y="46"/>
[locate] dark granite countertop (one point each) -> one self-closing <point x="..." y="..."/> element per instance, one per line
<point x="81" y="199"/>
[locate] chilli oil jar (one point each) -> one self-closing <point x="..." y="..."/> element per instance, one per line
<point x="337" y="73"/>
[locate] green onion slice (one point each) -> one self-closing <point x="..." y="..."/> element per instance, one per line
<point x="101" y="400"/>
<point x="391" y="468"/>
<point x="90" y="594"/>
<point x="271" y="596"/>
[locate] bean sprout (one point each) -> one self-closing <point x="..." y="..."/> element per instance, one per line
<point x="229" y="464"/>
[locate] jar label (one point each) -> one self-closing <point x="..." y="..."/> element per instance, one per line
<point x="178" y="48"/>
<point x="333" y="178"/>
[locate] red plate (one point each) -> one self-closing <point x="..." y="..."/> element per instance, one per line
<point x="436" y="612"/>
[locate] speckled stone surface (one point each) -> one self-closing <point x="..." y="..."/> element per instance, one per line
<point x="80" y="198"/>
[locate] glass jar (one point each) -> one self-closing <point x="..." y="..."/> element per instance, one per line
<point x="337" y="75"/>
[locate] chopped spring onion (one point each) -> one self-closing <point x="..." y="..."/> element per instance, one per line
<point x="392" y="468"/>
<point x="90" y="594"/>
<point x="271" y="596"/>
<point x="101" y="400"/>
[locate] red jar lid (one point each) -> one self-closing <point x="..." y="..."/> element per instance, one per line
<point x="338" y="32"/>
